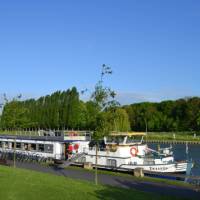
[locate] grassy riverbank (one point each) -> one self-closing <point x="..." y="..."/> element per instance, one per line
<point x="178" y="136"/>
<point x="184" y="136"/>
<point x="162" y="136"/>
<point x="18" y="184"/>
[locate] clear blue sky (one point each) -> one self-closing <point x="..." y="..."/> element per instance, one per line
<point x="152" y="46"/>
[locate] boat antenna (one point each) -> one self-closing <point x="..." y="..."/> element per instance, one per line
<point x="186" y="149"/>
<point x="142" y="139"/>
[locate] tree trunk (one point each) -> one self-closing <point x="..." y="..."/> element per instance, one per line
<point x="146" y="124"/>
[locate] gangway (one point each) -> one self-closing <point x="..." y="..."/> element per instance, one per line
<point x="72" y="160"/>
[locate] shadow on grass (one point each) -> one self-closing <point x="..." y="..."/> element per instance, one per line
<point x="144" y="191"/>
<point x="131" y="189"/>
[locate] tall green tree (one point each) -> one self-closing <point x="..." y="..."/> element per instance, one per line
<point x="104" y="98"/>
<point x="118" y="119"/>
<point x="14" y="115"/>
<point x="73" y="108"/>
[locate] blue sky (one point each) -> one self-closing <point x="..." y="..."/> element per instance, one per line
<point x="152" y="46"/>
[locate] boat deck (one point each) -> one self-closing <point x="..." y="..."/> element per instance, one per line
<point x="38" y="138"/>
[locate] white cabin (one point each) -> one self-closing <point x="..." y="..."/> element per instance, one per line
<point x="127" y="151"/>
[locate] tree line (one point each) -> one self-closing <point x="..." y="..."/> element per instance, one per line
<point x="179" y="115"/>
<point x="65" y="110"/>
<point x="60" y="110"/>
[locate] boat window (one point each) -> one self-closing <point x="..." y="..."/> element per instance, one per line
<point x="41" y="147"/>
<point x="1" y="144"/>
<point x="133" y="139"/>
<point x="33" y="147"/>
<point x="18" y="145"/>
<point x="117" y="140"/>
<point x="48" y="148"/>
<point x="58" y="133"/>
<point x="101" y="144"/>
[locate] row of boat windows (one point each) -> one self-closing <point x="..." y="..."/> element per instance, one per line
<point x="121" y="139"/>
<point x="46" y="148"/>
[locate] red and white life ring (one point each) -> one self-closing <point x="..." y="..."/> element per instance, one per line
<point x="133" y="151"/>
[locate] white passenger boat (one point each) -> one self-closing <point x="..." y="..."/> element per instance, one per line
<point x="127" y="151"/>
<point x="120" y="151"/>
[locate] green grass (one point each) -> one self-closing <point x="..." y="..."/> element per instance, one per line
<point x="180" y="136"/>
<point x="18" y="184"/>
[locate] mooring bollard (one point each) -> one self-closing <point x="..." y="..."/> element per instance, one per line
<point x="87" y="165"/>
<point x="138" y="172"/>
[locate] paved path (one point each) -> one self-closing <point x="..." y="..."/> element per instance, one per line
<point x="118" y="181"/>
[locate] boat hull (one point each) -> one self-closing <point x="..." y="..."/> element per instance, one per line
<point x="183" y="167"/>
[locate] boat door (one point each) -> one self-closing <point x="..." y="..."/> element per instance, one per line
<point x="67" y="151"/>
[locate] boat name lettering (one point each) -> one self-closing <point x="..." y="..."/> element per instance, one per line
<point x="158" y="168"/>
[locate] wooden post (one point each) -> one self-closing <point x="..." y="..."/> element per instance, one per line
<point x="96" y="161"/>
<point x="14" y="157"/>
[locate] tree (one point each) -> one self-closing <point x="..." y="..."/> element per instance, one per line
<point x="73" y="108"/>
<point x="14" y="113"/>
<point x="147" y="111"/>
<point x="118" y="119"/>
<point x="103" y="98"/>
<point x="92" y="111"/>
<point x="198" y="120"/>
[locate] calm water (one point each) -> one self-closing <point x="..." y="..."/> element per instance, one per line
<point x="180" y="154"/>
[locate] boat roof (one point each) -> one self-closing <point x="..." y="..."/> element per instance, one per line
<point x="60" y="139"/>
<point x="38" y="138"/>
<point x="128" y="134"/>
<point x="72" y="132"/>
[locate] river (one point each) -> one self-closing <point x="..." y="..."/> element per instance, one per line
<point x="180" y="154"/>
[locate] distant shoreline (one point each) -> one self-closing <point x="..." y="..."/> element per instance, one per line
<point x="173" y="141"/>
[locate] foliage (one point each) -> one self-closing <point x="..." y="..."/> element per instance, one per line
<point x="59" y="110"/>
<point x="118" y="119"/>
<point x="103" y="126"/>
<point x="101" y="98"/>
<point x="178" y="115"/>
<point x="65" y="110"/>
<point x="109" y="117"/>
<point x="14" y="115"/>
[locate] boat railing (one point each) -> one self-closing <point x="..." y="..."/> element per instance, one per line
<point x="102" y="149"/>
<point x="148" y="161"/>
<point x="94" y="149"/>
